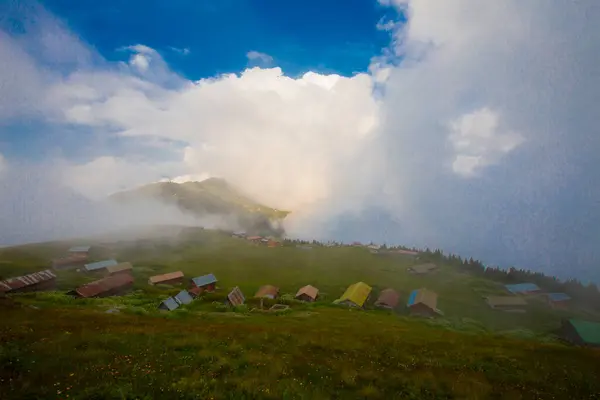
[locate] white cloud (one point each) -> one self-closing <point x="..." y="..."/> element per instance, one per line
<point x="141" y="57"/>
<point x="508" y="104"/>
<point x="3" y="165"/>
<point x="187" y="178"/>
<point x="386" y="25"/>
<point x="478" y="142"/>
<point x="271" y="125"/>
<point x="259" y="57"/>
<point x="183" y="51"/>
<point x="464" y="94"/>
<point x="105" y="175"/>
<point x="140" y="61"/>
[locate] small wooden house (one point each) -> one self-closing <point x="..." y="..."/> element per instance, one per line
<point x="507" y="303"/>
<point x="121" y="268"/>
<point x="169" y="304"/>
<point x="38" y="281"/>
<point x="523" y="288"/>
<point x="183" y="297"/>
<point x="236" y="297"/>
<point x="82" y="251"/>
<point x="69" y="262"/>
<point x="268" y="291"/>
<point x="388" y="298"/>
<point x="422" y="269"/>
<point x="356" y="295"/>
<point x="558" y="300"/>
<point x="254" y="239"/>
<point x="100" y="265"/>
<point x="110" y="286"/>
<point x="580" y="332"/>
<point x="307" y="293"/>
<point x="407" y="253"/>
<point x="206" y="283"/>
<point x="423" y="302"/>
<point x="172" y="278"/>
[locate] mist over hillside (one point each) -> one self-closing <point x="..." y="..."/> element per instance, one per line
<point x="211" y="197"/>
<point x="37" y="207"/>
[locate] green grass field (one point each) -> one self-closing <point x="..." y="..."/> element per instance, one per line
<point x="53" y="346"/>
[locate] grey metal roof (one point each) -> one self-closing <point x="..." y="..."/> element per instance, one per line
<point x="80" y="249"/>
<point x="204" y="280"/>
<point x="100" y="264"/>
<point x="523" y="287"/>
<point x="183" y="297"/>
<point x="559" y="296"/>
<point x="170" y="303"/>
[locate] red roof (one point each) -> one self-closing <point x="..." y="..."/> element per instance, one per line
<point x="407" y="252"/>
<point x="388" y="297"/>
<point x="267" y="291"/>
<point x="104" y="285"/>
<point x="26" y="280"/>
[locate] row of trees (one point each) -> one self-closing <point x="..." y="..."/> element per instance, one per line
<point x="586" y="295"/>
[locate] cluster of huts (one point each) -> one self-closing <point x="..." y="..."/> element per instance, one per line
<point x="198" y="285"/>
<point x="259" y="240"/>
<point x="421" y="302"/>
<point x="117" y="278"/>
<point x="516" y="300"/>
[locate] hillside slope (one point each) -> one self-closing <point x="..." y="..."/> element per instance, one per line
<point x="52" y="345"/>
<point x="211" y="197"/>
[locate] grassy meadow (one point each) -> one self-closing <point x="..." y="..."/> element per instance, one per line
<point x="53" y="346"/>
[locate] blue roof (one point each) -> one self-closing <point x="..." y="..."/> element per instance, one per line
<point x="204" y="280"/>
<point x="100" y="265"/>
<point x="170" y="303"/>
<point x="183" y="297"/>
<point x="411" y="298"/>
<point x="522" y="287"/>
<point x="79" y="249"/>
<point x="558" y="296"/>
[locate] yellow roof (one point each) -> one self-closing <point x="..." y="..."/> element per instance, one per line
<point x="356" y="293"/>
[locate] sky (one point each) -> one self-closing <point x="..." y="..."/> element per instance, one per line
<point x="457" y="125"/>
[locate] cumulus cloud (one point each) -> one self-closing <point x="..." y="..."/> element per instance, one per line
<point x="469" y="133"/>
<point x="258" y="57"/>
<point x="478" y="143"/>
<point x="271" y="111"/>
<point x="509" y="102"/>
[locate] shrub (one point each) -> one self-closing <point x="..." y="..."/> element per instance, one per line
<point x="242" y="308"/>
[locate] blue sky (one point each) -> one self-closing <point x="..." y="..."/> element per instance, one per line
<point x="200" y="39"/>
<point x="315" y="35"/>
<point x="467" y="127"/>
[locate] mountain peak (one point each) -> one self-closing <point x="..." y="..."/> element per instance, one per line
<point x="212" y="196"/>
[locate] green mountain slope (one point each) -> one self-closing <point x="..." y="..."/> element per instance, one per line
<point x="213" y="196"/>
<point x="52" y="345"/>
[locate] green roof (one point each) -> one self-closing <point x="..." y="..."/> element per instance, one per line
<point x="587" y="330"/>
